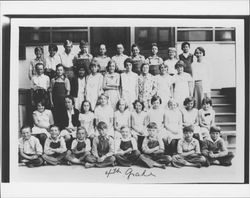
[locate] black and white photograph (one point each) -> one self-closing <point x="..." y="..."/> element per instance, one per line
<point x="127" y="99"/>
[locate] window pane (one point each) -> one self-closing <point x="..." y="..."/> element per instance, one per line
<point x="195" y="35"/>
<point x="163" y="35"/>
<point x="60" y="37"/>
<point x="32" y="38"/>
<point x="224" y="35"/>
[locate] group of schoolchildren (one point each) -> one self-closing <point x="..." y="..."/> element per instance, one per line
<point x="101" y="111"/>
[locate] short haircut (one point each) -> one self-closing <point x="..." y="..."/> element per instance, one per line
<point x="53" y="47"/>
<point x="109" y="63"/>
<point x="119" y="101"/>
<point x="59" y="65"/>
<point x="94" y="63"/>
<point x="102" y="125"/>
<point x="52" y="126"/>
<point x="123" y="127"/>
<point x="154" y="45"/>
<point x="172" y="101"/>
<point x="38" y="48"/>
<point x="128" y="60"/>
<point x="200" y="49"/>
<point x="82" y="128"/>
<point x="185" y="43"/>
<point x="25" y="127"/>
<point x="189" y="128"/>
<point x="138" y="101"/>
<point x="215" y="129"/>
<point x="135" y="45"/>
<point x="119" y="44"/>
<point x="152" y="125"/>
<point x="189" y="99"/>
<point x="154" y="98"/>
<point x="143" y="64"/>
<point x="82" y="109"/>
<point x="42" y="101"/>
<point x="207" y="100"/>
<point x="71" y="98"/>
<point x="180" y="63"/>
<point x="83" y="43"/>
<point x="172" y="49"/>
<point x="36" y="66"/>
<point x="105" y="95"/>
<point x="67" y="42"/>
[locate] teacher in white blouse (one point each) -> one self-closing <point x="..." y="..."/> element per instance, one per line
<point x="201" y="76"/>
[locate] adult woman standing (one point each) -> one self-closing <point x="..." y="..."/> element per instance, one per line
<point x="201" y="76"/>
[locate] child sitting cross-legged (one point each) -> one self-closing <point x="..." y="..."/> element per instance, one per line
<point x="126" y="148"/>
<point x="102" y="148"/>
<point x="30" y="149"/>
<point x="214" y="149"/>
<point x="80" y="148"/>
<point x="55" y="149"/>
<point x="153" y="149"/>
<point x="188" y="150"/>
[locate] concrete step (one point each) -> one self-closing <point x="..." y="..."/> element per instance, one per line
<point x="215" y="92"/>
<point x="223" y="108"/>
<point x="227" y="126"/>
<point x="225" y="117"/>
<point x="219" y="99"/>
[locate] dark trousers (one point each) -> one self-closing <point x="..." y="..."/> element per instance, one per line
<point x="224" y="161"/>
<point x="195" y="159"/>
<point x="128" y="159"/>
<point x="108" y="161"/>
<point x="148" y="160"/>
<point x="171" y="148"/>
<point x="32" y="163"/>
<point x="55" y="159"/>
<point x="139" y="142"/>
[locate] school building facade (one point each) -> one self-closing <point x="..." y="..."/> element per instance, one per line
<point x="219" y="44"/>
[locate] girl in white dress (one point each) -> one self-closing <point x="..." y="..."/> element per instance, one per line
<point x="121" y="117"/>
<point x="183" y="86"/>
<point x="105" y="113"/>
<point x="171" y="61"/>
<point x="206" y="117"/>
<point x="165" y="85"/>
<point x="173" y="126"/>
<point x="111" y="83"/>
<point x="190" y="116"/>
<point x="42" y="119"/>
<point x="129" y="83"/>
<point x="156" y="113"/>
<point x="139" y="122"/>
<point x="93" y="84"/>
<point x="87" y="119"/>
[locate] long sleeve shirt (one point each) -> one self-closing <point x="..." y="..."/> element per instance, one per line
<point x="184" y="146"/>
<point x="31" y="146"/>
<point x="213" y="146"/>
<point x="100" y="149"/>
<point x="60" y="141"/>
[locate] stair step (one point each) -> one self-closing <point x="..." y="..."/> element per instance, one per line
<point x="223" y="108"/>
<point x="225" y="117"/>
<point x="215" y="92"/>
<point x="219" y="99"/>
<point x="229" y="137"/>
<point x="227" y="126"/>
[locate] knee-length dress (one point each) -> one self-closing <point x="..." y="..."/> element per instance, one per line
<point x="93" y="88"/>
<point x="181" y="87"/>
<point x="114" y="94"/>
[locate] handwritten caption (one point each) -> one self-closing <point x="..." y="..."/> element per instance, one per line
<point x="129" y="173"/>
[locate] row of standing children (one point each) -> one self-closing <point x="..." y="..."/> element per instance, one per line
<point x="124" y="152"/>
<point x="89" y="84"/>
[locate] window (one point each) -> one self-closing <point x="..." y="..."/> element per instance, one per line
<point x="194" y="34"/>
<point x="32" y="36"/>
<point x="223" y="34"/>
<point x="145" y="36"/>
<point x="206" y="34"/>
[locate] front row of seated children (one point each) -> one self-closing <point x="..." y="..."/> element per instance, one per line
<point x="106" y="152"/>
